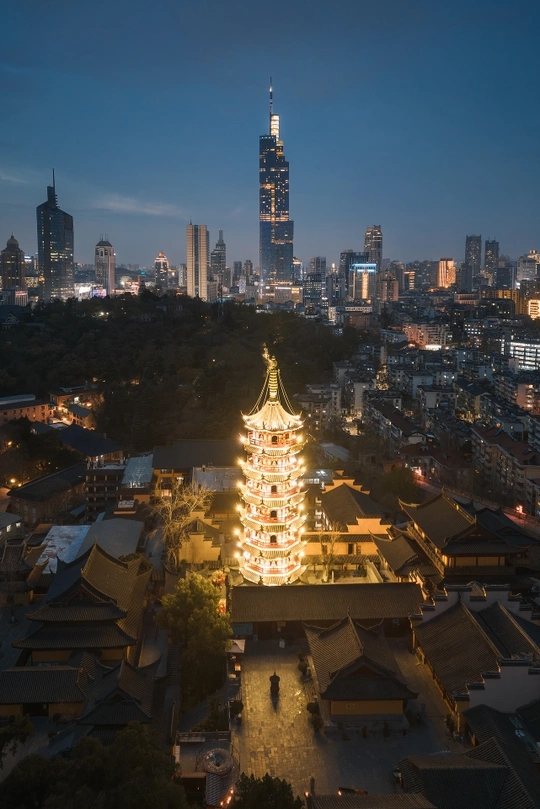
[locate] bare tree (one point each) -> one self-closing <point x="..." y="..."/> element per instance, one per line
<point x="177" y="511"/>
<point x="327" y="540"/>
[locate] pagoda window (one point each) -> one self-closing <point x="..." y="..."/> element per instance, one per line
<point x="273" y="515"/>
<point x="273" y="540"/>
<point x="274" y="439"/>
<point x="273" y="490"/>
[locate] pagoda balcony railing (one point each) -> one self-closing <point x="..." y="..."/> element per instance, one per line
<point x="257" y="442"/>
<point x="273" y="452"/>
<point x="276" y="501"/>
<point x="256" y="524"/>
<point x="273" y="550"/>
<point x="272" y="568"/>
<point x="271" y="477"/>
<point x="272" y="579"/>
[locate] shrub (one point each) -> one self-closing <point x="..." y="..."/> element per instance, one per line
<point x="317" y="722"/>
<point x="313" y="707"/>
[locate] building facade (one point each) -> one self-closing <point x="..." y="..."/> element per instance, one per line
<point x="55" y="247"/>
<point x="105" y="265"/>
<point x="218" y="259"/>
<point x="197" y="261"/>
<point x="161" y="267"/>
<point x="13" y="265"/>
<point x="271" y="543"/>
<point x="276" y="229"/>
<point x="373" y="245"/>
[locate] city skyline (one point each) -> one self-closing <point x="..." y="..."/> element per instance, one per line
<point x="392" y="141"/>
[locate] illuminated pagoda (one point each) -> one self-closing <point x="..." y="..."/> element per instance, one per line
<point x="271" y="546"/>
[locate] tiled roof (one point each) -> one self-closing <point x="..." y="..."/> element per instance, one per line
<point x="339" y="651"/>
<point x="396" y="552"/>
<point x="389" y="801"/>
<point x="190" y="453"/>
<point x="115" y="712"/>
<point x="520" y="790"/>
<point x="439" y="518"/>
<point x="89" y="636"/>
<point x="344" y="505"/>
<point x="42" y="489"/>
<point x="89" y="443"/>
<point x="460" y="644"/>
<point x="120" y="695"/>
<point x="79" y="612"/>
<point x="489" y="724"/>
<point x="43" y="684"/>
<point x="509" y="635"/>
<point x="454" y="780"/>
<point x="319" y="602"/>
<point x="530" y="714"/>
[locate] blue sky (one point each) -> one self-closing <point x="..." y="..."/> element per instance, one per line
<point x="420" y="115"/>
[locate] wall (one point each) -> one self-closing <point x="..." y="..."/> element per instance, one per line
<point x="382" y="706"/>
<point x="198" y="549"/>
<point x="50" y="656"/>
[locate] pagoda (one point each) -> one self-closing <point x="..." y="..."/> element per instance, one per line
<point x="271" y="544"/>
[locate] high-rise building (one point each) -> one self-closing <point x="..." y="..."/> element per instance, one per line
<point x="388" y="287"/>
<point x="248" y="268"/>
<point x="276" y="230"/>
<point x="527" y="266"/>
<point x="182" y="275"/>
<point x="13" y="265"/>
<point x="271" y="543"/>
<point x="505" y="274"/>
<point x="313" y="288"/>
<point x="55" y="247"/>
<point x="237" y="270"/>
<point x="318" y="264"/>
<point x="470" y="268"/>
<point x="373" y="245"/>
<point x="105" y="265"/>
<point x="161" y="267"/>
<point x="346" y="259"/>
<point x="218" y="258"/>
<point x="491" y="256"/>
<point x="197" y="261"/>
<point x="446" y="275"/>
<point x="362" y="281"/>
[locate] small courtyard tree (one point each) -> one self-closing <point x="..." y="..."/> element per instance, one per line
<point x="177" y="511"/>
<point x="327" y="540"/>
<point x="265" y="793"/>
<point x="192" y="616"/>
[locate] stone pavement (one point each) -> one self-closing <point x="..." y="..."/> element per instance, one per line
<point x="279" y="739"/>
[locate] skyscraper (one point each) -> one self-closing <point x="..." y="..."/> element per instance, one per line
<point x="161" y="267"/>
<point x="470" y="268"/>
<point x="55" y="247"/>
<point x="13" y="265"/>
<point x="446" y="275"/>
<point x="276" y="230"/>
<point x="318" y="264"/>
<point x="197" y="261"/>
<point x="218" y="258"/>
<point x="491" y="256"/>
<point x="373" y="245"/>
<point x="105" y="265"/>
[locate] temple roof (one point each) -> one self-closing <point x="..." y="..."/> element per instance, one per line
<point x="273" y="410"/>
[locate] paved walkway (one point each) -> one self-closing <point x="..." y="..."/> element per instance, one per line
<point x="279" y="739"/>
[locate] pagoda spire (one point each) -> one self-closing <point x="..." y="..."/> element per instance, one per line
<point x="271" y="542"/>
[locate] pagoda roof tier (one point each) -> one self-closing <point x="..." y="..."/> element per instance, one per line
<point x="270" y="477"/>
<point x="286" y="443"/>
<point x="273" y="451"/>
<point x="277" y="527"/>
<point x="273" y="411"/>
<point x="273" y="579"/>
<point x="274" y="501"/>
<point x="273" y="551"/>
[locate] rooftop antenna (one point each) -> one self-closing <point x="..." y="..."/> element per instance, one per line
<point x="271" y="98"/>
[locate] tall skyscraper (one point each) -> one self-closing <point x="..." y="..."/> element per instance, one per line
<point x="197" y="261"/>
<point x="55" y="247"/>
<point x="362" y="281"/>
<point x="318" y="264"/>
<point x="373" y="245"/>
<point x="161" y="267"/>
<point x="470" y="269"/>
<point x="276" y="230"/>
<point x="218" y="258"/>
<point x="491" y="256"/>
<point x="105" y="265"/>
<point x="446" y="275"/>
<point x="13" y="265"/>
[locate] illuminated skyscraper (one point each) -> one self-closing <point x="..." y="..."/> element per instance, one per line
<point x="471" y="266"/>
<point x="161" y="267"/>
<point x="197" y="261"/>
<point x="13" y="265"/>
<point x="271" y="542"/>
<point x="218" y="258"/>
<point x="446" y="275"/>
<point x="276" y="230"/>
<point x="491" y="256"/>
<point x="105" y="265"/>
<point x="55" y="247"/>
<point x="373" y="245"/>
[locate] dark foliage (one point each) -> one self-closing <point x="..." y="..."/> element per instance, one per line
<point x="265" y="793"/>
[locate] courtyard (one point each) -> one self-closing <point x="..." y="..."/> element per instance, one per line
<point x="279" y="739"/>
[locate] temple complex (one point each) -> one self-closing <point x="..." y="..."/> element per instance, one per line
<point x="272" y="543"/>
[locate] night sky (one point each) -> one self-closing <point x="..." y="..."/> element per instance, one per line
<point x="419" y="115"/>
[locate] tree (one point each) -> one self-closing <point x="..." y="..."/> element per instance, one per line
<point x="192" y="616"/>
<point x="176" y="513"/>
<point x="328" y="541"/>
<point x="13" y="734"/>
<point x="131" y="773"/>
<point x="265" y="793"/>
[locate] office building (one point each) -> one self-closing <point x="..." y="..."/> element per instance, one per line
<point x="388" y="287"/>
<point x="362" y="281"/>
<point x="313" y="287"/>
<point x="373" y="245"/>
<point x="218" y="258"/>
<point x="197" y="261"/>
<point x="237" y="270"/>
<point x="318" y="264"/>
<point x="182" y="275"/>
<point x="505" y="274"/>
<point x="527" y="266"/>
<point x="13" y="265"/>
<point x="346" y="259"/>
<point x="276" y="230"/>
<point x="471" y="266"/>
<point x="446" y="275"/>
<point x="491" y="256"/>
<point x="55" y="247"/>
<point x="105" y="265"/>
<point x="161" y="267"/>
